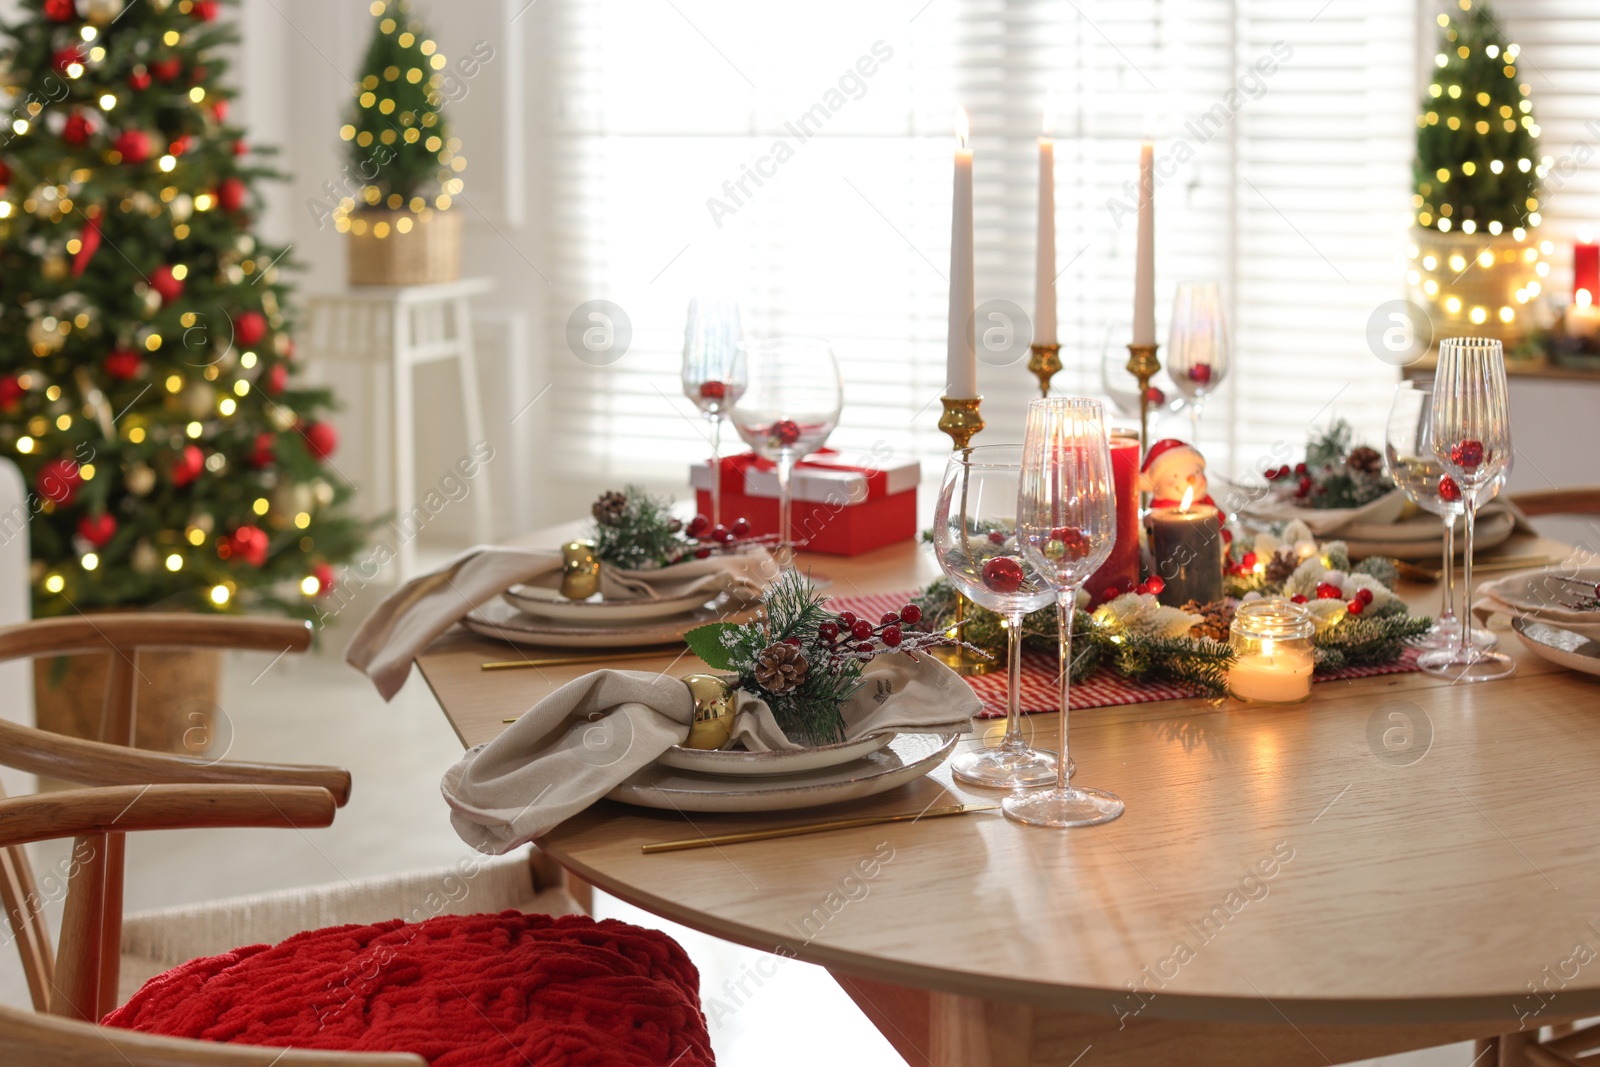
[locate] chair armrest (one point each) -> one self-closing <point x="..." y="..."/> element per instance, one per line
<point x="130" y="630"/>
<point x="96" y="763"/>
<point x="126" y="808"/>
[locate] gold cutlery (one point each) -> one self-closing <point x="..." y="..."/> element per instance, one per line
<point x="1479" y="566"/>
<point x="813" y="828"/>
<point x="563" y="661"/>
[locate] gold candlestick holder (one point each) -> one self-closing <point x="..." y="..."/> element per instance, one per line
<point x="1143" y="365"/>
<point x="962" y="422"/>
<point x="1044" y="362"/>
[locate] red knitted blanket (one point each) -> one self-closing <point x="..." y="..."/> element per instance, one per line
<point x="507" y="990"/>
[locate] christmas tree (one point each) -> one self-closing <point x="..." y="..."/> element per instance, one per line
<point x="147" y="385"/>
<point x="400" y="146"/>
<point x="1477" y="170"/>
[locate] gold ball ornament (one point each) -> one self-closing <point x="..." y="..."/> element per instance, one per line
<point x="43" y="339"/>
<point x="289" y="500"/>
<point x="580" y="570"/>
<point x="101" y="12"/>
<point x="181" y="208"/>
<point x="714" y="705"/>
<point x="323" y="492"/>
<point x="200" y="399"/>
<point x="145" y="559"/>
<point x="139" y="479"/>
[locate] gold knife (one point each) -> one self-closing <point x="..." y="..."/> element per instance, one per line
<point x="563" y="661"/>
<point x="1479" y="566"/>
<point x="813" y="828"/>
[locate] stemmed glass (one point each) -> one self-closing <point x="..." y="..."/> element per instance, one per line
<point x="1408" y="454"/>
<point x="789" y="406"/>
<point x="975" y="539"/>
<point x="713" y="374"/>
<point x="1066" y="524"/>
<point x="1122" y="387"/>
<point x="1472" y="439"/>
<point x="1197" y="351"/>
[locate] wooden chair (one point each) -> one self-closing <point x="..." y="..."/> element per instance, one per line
<point x="77" y="984"/>
<point x="1580" y="501"/>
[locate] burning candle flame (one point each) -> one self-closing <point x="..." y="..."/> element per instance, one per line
<point x="1049" y="113"/>
<point x="1188" y="499"/>
<point x="962" y="127"/>
<point x="1583" y="298"/>
<point x="1268" y="647"/>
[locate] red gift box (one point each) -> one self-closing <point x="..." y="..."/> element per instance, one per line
<point x="841" y="507"/>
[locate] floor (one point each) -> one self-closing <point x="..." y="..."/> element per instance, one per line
<point x="315" y="709"/>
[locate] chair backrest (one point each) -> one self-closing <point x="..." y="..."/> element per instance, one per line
<point x="1583" y="500"/>
<point x="16" y="678"/>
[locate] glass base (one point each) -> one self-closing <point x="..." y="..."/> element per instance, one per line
<point x="1476" y="666"/>
<point x="1446" y="633"/>
<point x="1007" y="768"/>
<point x="1063" y="808"/>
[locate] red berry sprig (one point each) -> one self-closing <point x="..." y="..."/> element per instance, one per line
<point x="845" y="632"/>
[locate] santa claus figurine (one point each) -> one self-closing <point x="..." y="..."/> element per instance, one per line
<point x="1173" y="468"/>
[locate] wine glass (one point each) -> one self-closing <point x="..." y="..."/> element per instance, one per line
<point x="1408" y="454"/>
<point x="975" y="540"/>
<point x="1122" y="387"/>
<point x="789" y="405"/>
<point x="713" y="374"/>
<point x="1472" y="439"/>
<point x="1197" y="355"/>
<point x="1066" y="524"/>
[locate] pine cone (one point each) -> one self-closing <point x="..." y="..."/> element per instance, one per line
<point x="1216" y="619"/>
<point x="780" y="668"/>
<point x="1283" y="564"/>
<point x="609" y="508"/>
<point x="1364" y="459"/>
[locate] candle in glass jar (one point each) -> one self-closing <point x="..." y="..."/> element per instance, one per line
<point x="1274" y="675"/>
<point x="1186" y="542"/>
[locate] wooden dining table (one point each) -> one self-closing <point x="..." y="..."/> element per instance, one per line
<point x="1398" y="863"/>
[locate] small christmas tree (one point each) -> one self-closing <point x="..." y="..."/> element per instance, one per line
<point x="1477" y="166"/>
<point x="400" y="145"/>
<point x="146" y="377"/>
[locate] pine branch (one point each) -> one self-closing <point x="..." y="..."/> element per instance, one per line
<point x="1367" y="642"/>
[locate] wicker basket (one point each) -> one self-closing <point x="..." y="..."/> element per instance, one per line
<point x="404" y="248"/>
<point x="175" y="689"/>
<point x="1481" y="283"/>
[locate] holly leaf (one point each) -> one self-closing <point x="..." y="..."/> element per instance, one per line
<point x="706" y="642"/>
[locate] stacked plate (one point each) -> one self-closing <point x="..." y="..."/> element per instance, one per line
<point x="1548" y="614"/>
<point x="731" y="780"/>
<point x="1386" y="526"/>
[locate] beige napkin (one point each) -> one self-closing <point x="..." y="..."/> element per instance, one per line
<point x="580" y="742"/>
<point x="1540" y="599"/>
<point x="413" y="616"/>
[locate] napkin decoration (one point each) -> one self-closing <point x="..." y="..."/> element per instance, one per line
<point x="1558" y="596"/>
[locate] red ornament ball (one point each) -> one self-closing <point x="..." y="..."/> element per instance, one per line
<point x="1364" y="595"/>
<point x="323" y="573"/>
<point x="188" y="464"/>
<point x="219" y="110"/>
<point x="134" y="145"/>
<point x="1155" y="397"/>
<point x="1155" y="584"/>
<point x="1200" y="374"/>
<point x="179" y="146"/>
<point x="231" y="194"/>
<point x="97" y="529"/>
<point x="1468" y="455"/>
<point x="264" y="452"/>
<point x="321" y="439"/>
<point x="60" y="10"/>
<point x="1449" y="491"/>
<point x="11" y="392"/>
<point x="204" y="10"/>
<point x="166" y="284"/>
<point x="1298" y="598"/>
<point x="784" y="433"/>
<point x="66" y="57"/>
<point x="124" y="364"/>
<point x="5" y="175"/>
<point x="277" y="378"/>
<point x="240" y="148"/>
<point x="77" y="130"/>
<point x="139" y="80"/>
<point x="249" y="328"/>
<point x="713" y="390"/>
<point x="1003" y="574"/>
<point x="1247" y="560"/>
<point x="167" y="70"/>
<point x="1356" y="606"/>
<point x="58" y="480"/>
<point x="249" y="543"/>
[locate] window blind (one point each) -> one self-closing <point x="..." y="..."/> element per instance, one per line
<point x="1287" y="126"/>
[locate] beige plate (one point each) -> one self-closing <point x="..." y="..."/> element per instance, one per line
<point x="550" y="604"/>
<point x="904" y="759"/>
<point x="501" y="621"/>
<point x="1493" y="529"/>
<point x="1326" y="523"/>
<point x="738" y="762"/>
<point x="1561" y="647"/>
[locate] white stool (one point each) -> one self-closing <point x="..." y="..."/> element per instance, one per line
<point x="401" y="328"/>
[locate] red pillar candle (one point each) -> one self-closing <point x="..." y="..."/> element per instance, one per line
<point x="1586" y="270"/>
<point x="1122" y="566"/>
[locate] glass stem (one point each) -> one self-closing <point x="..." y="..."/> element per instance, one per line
<point x="785" y="546"/>
<point x="1194" y="421"/>
<point x="1066" y="604"/>
<point x="1447" y="609"/>
<point x="1013" y="738"/>
<point x="1464" y="624"/>
<point x="716" y="469"/>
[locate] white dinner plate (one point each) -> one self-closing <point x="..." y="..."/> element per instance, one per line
<point x="501" y="621"/>
<point x="740" y="763"/>
<point x="1328" y="524"/>
<point x="1403" y="540"/>
<point x="543" y="602"/>
<point x="1561" y="647"/>
<point x="904" y="759"/>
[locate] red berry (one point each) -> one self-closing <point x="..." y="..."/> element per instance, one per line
<point x="1110" y="592"/>
<point x="1364" y="595"/>
<point x="702" y="553"/>
<point x="865" y="646"/>
<point x="784" y="432"/>
<point x="713" y="390"/>
<point x="861" y="630"/>
<point x="795" y="641"/>
<point x="1200" y="373"/>
<point x="996" y="537"/>
<point x="1298" y="599"/>
<point x="1449" y="491"/>
<point x="827" y="631"/>
<point x="740" y="527"/>
<point x="1272" y="474"/>
<point x="718" y="533"/>
<point x="1003" y="574"/>
<point x="911" y="613"/>
<point x="891" y="636"/>
<point x="1328" y="591"/>
<point x="698" y="526"/>
<point x="1155" y="396"/>
<point x="1247" y="560"/>
<point x="890" y="618"/>
<point x="1299" y="468"/>
<point x="1304" y="487"/>
<point x="1467" y="455"/>
<point x="1155" y="584"/>
<point x="847" y="619"/>
<point x="1356" y="606"/>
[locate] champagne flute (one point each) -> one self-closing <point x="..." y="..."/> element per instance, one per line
<point x="1472" y="439"/>
<point x="713" y="375"/>
<point x="975" y="540"/>
<point x="1197" y="351"/>
<point x="1408" y="454"/>
<point x="787" y="409"/>
<point x="1066" y="524"/>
